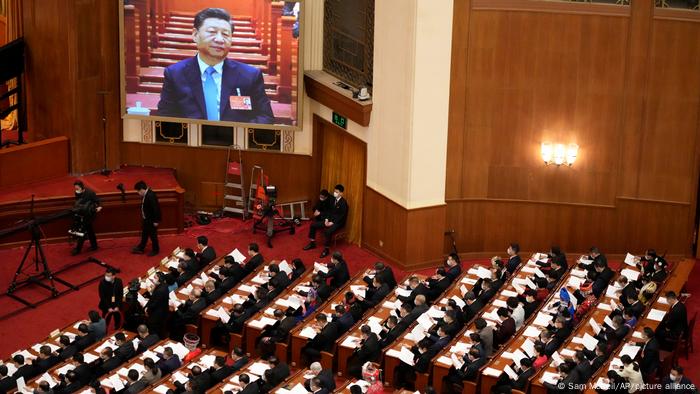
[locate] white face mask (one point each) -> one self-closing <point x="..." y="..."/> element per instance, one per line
<point x="673" y="377"/>
<point x="108" y="278"/>
<point x="336" y="194"/>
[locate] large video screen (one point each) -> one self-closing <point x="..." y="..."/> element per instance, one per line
<point x="212" y="61"/>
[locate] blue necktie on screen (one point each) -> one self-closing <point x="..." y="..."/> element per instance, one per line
<point x="211" y="94"/>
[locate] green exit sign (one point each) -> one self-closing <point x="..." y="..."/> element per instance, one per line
<point x="340" y="120"/>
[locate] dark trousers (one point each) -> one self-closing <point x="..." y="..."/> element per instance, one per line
<point x="404" y="376"/>
<point x="327" y="231"/>
<point x="89" y="234"/>
<point x="310" y="355"/>
<point x="108" y="316"/>
<point x="148" y="230"/>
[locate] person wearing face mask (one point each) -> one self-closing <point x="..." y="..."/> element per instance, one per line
<point x="677" y="383"/>
<point x="335" y="219"/>
<point x="111" y="291"/>
<point x="87" y="202"/>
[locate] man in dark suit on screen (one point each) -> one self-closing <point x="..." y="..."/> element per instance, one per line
<point x="150" y="214"/>
<point x="210" y="86"/>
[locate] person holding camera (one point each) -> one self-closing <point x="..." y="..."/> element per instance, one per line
<point x="87" y="205"/>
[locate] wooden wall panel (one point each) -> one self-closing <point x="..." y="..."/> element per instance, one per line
<point x="616" y="83"/>
<point x="34" y="162"/>
<point x="200" y="171"/>
<point x="73" y="77"/>
<point x="633" y="225"/>
<point x="562" y="81"/>
<point x="118" y="218"/>
<point x="668" y="166"/>
<point x="411" y="239"/>
<point x="384" y="226"/>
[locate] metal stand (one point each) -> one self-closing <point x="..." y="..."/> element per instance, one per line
<point x="272" y="223"/>
<point x="41" y="271"/>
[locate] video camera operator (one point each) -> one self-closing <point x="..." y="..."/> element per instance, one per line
<point x="86" y="207"/>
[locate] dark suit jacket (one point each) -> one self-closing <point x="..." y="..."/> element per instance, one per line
<point x="206" y="256"/>
<point x="649" y="360"/>
<point x="470" y="370"/>
<point x="106" y="366"/>
<point x="523" y="377"/>
<point x="253" y="263"/>
<point x="251" y="388"/>
<point x="6" y="384"/>
<point x="326" y="378"/>
<point x="169" y="365"/>
<point x="280" y="280"/>
<point x="68" y="352"/>
<point x="157" y="305"/>
<point x="43" y="365"/>
<point x="513" y="263"/>
<point x="504" y="332"/>
<point x="279" y="373"/>
<point x="107" y="290"/>
<point x="453" y="272"/>
<point x="147" y="342"/>
<point x="84" y="372"/>
<point x="136" y="387"/>
<point x="675" y="322"/>
<point x="281" y="332"/>
<point x="338" y="213"/>
<point x="375" y="296"/>
<point x="218" y="375"/>
<point x="339" y="275"/>
<point x="369" y="349"/>
<point x="27" y="371"/>
<point x="82" y="342"/>
<point x="183" y="96"/>
<point x="387" y="276"/>
<point x="150" y="208"/>
<point x="125" y="351"/>
<point x="325" y="339"/>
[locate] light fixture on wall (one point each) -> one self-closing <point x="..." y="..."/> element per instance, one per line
<point x="558" y="154"/>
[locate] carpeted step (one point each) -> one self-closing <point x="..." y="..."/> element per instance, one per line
<point x="180" y="54"/>
<point x="155" y="75"/>
<point x="191" y="45"/>
<point x="188" y="30"/>
<point x="237" y="41"/>
<point x="188" y="25"/>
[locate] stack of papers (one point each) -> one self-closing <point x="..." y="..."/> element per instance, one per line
<point x="238" y="257"/>
<point x="308" y="332"/>
<point x="320" y="267"/>
<point x="630" y="259"/>
<point x="258" y="368"/>
<point x="630" y="274"/>
<point x="403" y="292"/>
<point x="492" y="372"/>
<point x="655" y="314"/>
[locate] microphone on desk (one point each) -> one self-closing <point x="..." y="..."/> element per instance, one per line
<point x="120" y="187"/>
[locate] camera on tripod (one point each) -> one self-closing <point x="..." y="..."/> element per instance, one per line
<point x="267" y="208"/>
<point x="81" y="213"/>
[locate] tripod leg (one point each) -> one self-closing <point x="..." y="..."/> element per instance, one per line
<point x="47" y="271"/>
<point x="13" y="285"/>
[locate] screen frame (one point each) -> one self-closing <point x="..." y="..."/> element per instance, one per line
<point x="299" y="89"/>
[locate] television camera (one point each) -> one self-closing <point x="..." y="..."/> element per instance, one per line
<point x="267" y="217"/>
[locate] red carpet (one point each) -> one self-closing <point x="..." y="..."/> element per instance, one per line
<point x="157" y="178"/>
<point x="31" y="326"/>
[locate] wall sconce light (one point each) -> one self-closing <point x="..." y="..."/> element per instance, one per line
<point x="559" y="154"/>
